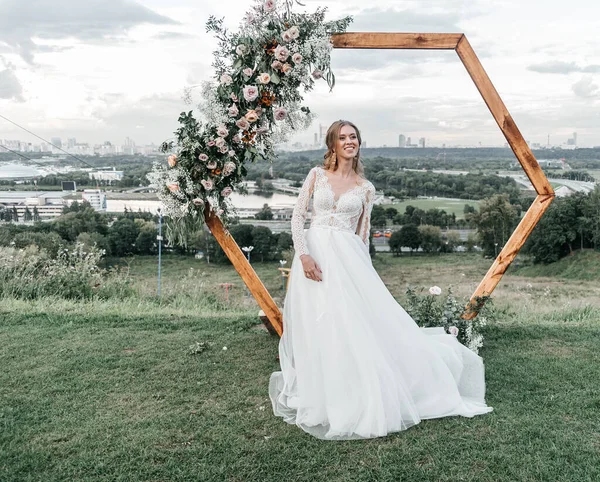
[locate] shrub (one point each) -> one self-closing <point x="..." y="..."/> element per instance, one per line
<point x="31" y="273"/>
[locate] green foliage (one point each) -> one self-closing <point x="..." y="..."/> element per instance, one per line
<point x="32" y="273"/>
<point x="122" y="236"/>
<point x="265" y="213"/>
<point x="83" y="220"/>
<point x="495" y="221"/>
<point x="570" y="223"/>
<point x="409" y="236"/>
<point x="379" y="216"/>
<point x="431" y="238"/>
<point x="262" y="239"/>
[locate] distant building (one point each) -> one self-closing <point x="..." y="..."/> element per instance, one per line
<point x="96" y="198"/>
<point x="48" y="204"/>
<point x="401" y="140"/>
<point x="113" y="175"/>
<point x="563" y="191"/>
<point x="422" y="142"/>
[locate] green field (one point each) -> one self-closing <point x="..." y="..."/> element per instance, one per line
<point x="455" y="206"/>
<point x="142" y="389"/>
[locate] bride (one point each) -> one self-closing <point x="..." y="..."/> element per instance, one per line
<point x="354" y="364"/>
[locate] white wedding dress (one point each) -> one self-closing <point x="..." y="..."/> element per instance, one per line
<point x="354" y="364"/>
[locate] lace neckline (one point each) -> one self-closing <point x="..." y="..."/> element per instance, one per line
<point x="336" y="200"/>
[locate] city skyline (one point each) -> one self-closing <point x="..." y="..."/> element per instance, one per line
<point x="85" y="71"/>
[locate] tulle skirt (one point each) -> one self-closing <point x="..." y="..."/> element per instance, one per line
<point x="354" y="364"/>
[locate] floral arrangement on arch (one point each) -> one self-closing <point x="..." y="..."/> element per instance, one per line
<point x="253" y="103"/>
<point x="431" y="309"/>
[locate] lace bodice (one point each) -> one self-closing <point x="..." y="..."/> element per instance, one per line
<point x="350" y="212"/>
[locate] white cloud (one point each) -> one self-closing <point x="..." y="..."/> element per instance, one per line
<point x="586" y="88"/>
<point x="107" y="70"/>
<point x="10" y="86"/>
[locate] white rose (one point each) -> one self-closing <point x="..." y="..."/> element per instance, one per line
<point x="435" y="290"/>
<point x="264" y="78"/>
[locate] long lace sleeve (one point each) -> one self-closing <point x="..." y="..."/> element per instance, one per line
<point x="364" y="223"/>
<point x="300" y="211"/>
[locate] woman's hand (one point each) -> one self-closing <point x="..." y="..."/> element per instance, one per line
<point x="311" y="268"/>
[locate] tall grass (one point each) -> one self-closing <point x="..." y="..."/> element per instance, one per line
<point x="32" y="273"/>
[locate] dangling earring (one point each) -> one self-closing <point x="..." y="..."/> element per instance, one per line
<point x="333" y="158"/>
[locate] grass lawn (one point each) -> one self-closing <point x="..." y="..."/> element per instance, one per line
<point x="121" y="390"/>
<point x="455" y="206"/>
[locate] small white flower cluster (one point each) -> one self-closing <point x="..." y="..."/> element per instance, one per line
<point x="432" y="310"/>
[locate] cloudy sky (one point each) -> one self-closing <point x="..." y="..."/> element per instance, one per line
<point x="103" y="70"/>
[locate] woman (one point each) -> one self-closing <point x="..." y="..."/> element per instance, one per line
<point x="353" y="363"/>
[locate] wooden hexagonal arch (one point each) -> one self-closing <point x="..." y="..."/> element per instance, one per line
<point x="427" y="41"/>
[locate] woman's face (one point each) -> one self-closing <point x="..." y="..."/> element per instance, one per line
<point x="347" y="143"/>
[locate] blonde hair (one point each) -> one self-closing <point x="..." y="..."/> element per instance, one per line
<point x="331" y="138"/>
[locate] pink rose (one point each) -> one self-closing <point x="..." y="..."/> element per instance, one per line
<point x="237" y="139"/>
<point x="281" y="53"/>
<point x="198" y="201"/>
<point x="279" y="113"/>
<point x="231" y="153"/>
<point x="223" y="149"/>
<point x="207" y="183"/>
<point x="226" y="192"/>
<point x="286" y="68"/>
<point x="294" y="32"/>
<point x="269" y="5"/>
<point x="317" y="74"/>
<point x="203" y="157"/>
<point x="226" y="79"/>
<point x="234" y="97"/>
<point x="219" y="212"/>
<point x="286" y="36"/>
<point x="453" y="330"/>
<point x="222" y="131"/>
<point x="243" y="124"/>
<point x="241" y="50"/>
<point x="174" y="187"/>
<point x="251" y="116"/>
<point x="210" y="143"/>
<point x="233" y="110"/>
<point x="276" y="65"/>
<point x="261" y="130"/>
<point x="212" y="165"/>
<point x="249" y="18"/>
<point x="172" y="160"/>
<point x="297" y="58"/>
<point x="219" y="142"/>
<point x="264" y="78"/>
<point x="250" y="93"/>
<point x="248" y="72"/>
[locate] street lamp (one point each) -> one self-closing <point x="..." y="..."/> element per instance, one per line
<point x="159" y="238"/>
<point x="248" y="250"/>
<point x="282" y="263"/>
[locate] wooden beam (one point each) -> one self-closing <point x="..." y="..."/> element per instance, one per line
<point x="503" y="118"/>
<point x="245" y="270"/>
<point x="509" y="252"/>
<point x="383" y="40"/>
